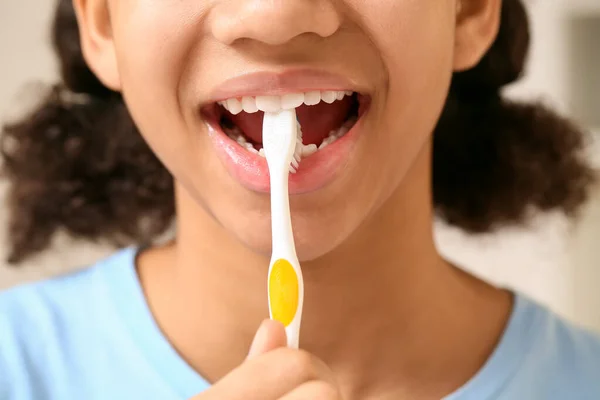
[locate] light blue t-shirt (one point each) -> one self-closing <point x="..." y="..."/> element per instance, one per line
<point x="90" y="335"/>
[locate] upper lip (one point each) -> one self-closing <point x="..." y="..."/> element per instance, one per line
<point x="279" y="83"/>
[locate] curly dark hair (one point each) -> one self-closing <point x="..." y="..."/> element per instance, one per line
<point x="77" y="162"/>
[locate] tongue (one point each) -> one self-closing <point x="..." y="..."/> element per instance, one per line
<point x="316" y="121"/>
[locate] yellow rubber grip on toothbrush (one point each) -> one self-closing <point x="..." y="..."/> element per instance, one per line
<point x="283" y="292"/>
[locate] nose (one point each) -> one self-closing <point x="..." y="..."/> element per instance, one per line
<point x="273" y="22"/>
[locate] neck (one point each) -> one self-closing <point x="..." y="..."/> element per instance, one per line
<point x="377" y="303"/>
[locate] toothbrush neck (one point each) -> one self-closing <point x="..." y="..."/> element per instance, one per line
<point x="281" y="223"/>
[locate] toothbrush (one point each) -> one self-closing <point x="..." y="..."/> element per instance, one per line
<point x="282" y="145"/>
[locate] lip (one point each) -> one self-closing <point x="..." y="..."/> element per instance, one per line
<point x="277" y="84"/>
<point x="251" y="170"/>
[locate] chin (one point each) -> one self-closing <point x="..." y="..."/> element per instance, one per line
<point x="312" y="249"/>
<point x="306" y="250"/>
<point x="312" y="241"/>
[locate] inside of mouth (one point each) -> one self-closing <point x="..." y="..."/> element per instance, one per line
<point x="317" y="122"/>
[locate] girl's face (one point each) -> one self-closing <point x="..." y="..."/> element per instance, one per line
<point x="174" y="60"/>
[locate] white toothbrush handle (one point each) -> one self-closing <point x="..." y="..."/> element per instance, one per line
<point x="292" y="332"/>
<point x="283" y="242"/>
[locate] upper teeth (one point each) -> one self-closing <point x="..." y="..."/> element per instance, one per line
<point x="277" y="103"/>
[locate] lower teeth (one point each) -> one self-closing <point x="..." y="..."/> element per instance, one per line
<point x="236" y="134"/>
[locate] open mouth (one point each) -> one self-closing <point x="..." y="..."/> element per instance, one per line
<point x="324" y="116"/>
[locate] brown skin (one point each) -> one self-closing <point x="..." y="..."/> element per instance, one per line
<point x="387" y="315"/>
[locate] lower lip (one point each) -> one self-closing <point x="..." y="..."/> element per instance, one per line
<point x="314" y="173"/>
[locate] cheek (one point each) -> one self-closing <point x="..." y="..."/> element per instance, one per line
<point x="153" y="40"/>
<point x="415" y="40"/>
<point x="149" y="52"/>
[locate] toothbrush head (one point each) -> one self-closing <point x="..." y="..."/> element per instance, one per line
<point x="282" y="139"/>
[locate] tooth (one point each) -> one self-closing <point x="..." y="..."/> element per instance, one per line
<point x="250" y="148"/>
<point x="233" y="133"/>
<point x="249" y="104"/>
<point x="341" y="132"/>
<point x="234" y="106"/>
<point x="350" y="122"/>
<point x="323" y="145"/>
<point x="268" y="103"/>
<point x="224" y="105"/>
<point x="331" y="138"/>
<point x="348" y="92"/>
<point x="261" y="152"/>
<point x="340" y="95"/>
<point x="295" y="163"/>
<point x="312" y="98"/>
<point x="292" y="100"/>
<point x="328" y="96"/>
<point x="309" y="149"/>
<point x="241" y="140"/>
<point x="292" y="170"/>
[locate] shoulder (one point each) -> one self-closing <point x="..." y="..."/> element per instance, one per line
<point x="65" y="296"/>
<point x="540" y="356"/>
<point x="573" y="357"/>
<point x="41" y="322"/>
<point x="562" y="360"/>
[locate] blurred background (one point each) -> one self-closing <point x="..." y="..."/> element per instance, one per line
<point x="552" y="260"/>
